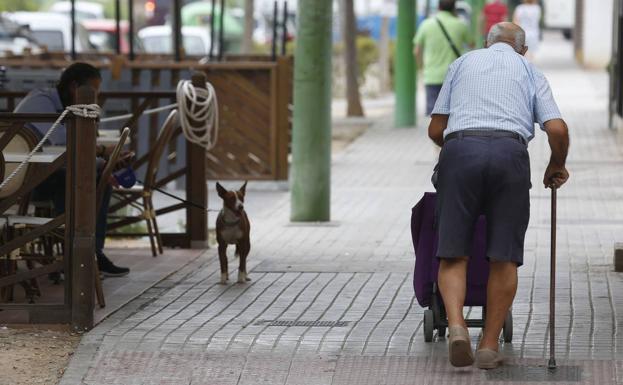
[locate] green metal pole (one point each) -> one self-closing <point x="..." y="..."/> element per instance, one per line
<point x="311" y="130"/>
<point x="404" y="65"/>
<point x="477" y="6"/>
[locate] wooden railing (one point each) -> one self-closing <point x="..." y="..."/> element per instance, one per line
<point x="254" y="99"/>
<point x="76" y="225"/>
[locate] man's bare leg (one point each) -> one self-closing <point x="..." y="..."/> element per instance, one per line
<point x="452" y="281"/>
<point x="452" y="284"/>
<point x="501" y="290"/>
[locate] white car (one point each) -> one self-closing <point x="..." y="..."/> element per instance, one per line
<point x="159" y="39"/>
<point x="84" y="9"/>
<point x="15" y="39"/>
<point x="52" y="30"/>
<point x="560" y="14"/>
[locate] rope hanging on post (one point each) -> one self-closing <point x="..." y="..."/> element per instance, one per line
<point x="198" y="113"/>
<point x="89" y="111"/>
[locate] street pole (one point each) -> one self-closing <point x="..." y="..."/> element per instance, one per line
<point x="73" y="29"/>
<point x="118" y="27"/>
<point x="178" y="45"/>
<point x="404" y="65"/>
<point x="311" y="131"/>
<point x="477" y="6"/>
<point x="131" y="28"/>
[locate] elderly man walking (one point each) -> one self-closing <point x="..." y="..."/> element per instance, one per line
<point x="483" y="120"/>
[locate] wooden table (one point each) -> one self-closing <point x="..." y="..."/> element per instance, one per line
<point x="47" y="155"/>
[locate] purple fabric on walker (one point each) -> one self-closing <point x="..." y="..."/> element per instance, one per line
<point x="424" y="235"/>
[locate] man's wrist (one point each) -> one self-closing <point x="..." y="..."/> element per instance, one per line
<point x="557" y="162"/>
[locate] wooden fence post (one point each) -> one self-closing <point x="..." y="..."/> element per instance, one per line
<point x="196" y="185"/>
<point x="80" y="211"/>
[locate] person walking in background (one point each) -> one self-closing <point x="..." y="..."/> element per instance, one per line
<point x="528" y="17"/>
<point x="439" y="41"/>
<point x="494" y="12"/>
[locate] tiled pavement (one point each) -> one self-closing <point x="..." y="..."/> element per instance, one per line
<point x="355" y="272"/>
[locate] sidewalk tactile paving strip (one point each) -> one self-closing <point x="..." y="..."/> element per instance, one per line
<point x="278" y="369"/>
<point x="541" y="373"/>
<point x="363" y="370"/>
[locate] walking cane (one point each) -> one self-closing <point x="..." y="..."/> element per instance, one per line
<point x="552" y="286"/>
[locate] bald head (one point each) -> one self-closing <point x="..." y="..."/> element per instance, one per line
<point x="509" y="33"/>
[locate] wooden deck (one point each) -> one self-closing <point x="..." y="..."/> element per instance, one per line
<point x="146" y="271"/>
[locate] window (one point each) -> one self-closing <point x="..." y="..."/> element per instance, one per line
<point x="157" y="44"/>
<point x="193" y="45"/>
<point x="52" y="39"/>
<point x="102" y="40"/>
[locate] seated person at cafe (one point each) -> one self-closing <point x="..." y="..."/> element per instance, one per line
<point x="54" y="100"/>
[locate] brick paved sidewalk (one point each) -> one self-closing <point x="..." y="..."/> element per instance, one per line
<point x="333" y="303"/>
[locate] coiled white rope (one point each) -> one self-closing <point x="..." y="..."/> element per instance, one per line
<point x="198" y="113"/>
<point x="89" y="111"/>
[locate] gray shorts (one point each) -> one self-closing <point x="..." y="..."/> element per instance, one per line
<point x="483" y="175"/>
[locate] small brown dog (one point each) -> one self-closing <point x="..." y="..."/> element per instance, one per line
<point x="233" y="228"/>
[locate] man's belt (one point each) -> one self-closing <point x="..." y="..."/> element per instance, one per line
<point x="486" y="134"/>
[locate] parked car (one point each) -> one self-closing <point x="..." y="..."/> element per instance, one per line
<point x="560" y="15"/>
<point x="372" y="23"/>
<point x="52" y="30"/>
<point x="103" y="35"/>
<point x="159" y="39"/>
<point x="199" y="13"/>
<point x="15" y="38"/>
<point x="263" y="32"/>
<point x="156" y="12"/>
<point x="84" y="9"/>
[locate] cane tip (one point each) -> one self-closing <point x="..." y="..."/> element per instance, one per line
<point x="551" y="365"/>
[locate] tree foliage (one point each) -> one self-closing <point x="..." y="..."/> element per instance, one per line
<point x="20" y="5"/>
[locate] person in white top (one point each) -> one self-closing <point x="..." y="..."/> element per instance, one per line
<point x="528" y="17"/>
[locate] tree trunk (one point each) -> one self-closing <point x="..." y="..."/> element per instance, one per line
<point x="384" y="55"/>
<point x="249" y="25"/>
<point x="349" y="32"/>
<point x="311" y="119"/>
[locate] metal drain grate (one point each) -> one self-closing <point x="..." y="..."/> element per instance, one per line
<point x="291" y="323"/>
<point x="535" y="374"/>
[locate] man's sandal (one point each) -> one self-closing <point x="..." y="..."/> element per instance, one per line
<point x="459" y="347"/>
<point x="488" y="358"/>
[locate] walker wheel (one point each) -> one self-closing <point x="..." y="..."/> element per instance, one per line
<point x="508" y="327"/>
<point x="429" y="325"/>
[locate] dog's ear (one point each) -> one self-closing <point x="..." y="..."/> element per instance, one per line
<point x="221" y="190"/>
<point x="243" y="189"/>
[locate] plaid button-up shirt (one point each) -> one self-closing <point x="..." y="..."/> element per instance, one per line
<point x="495" y="89"/>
